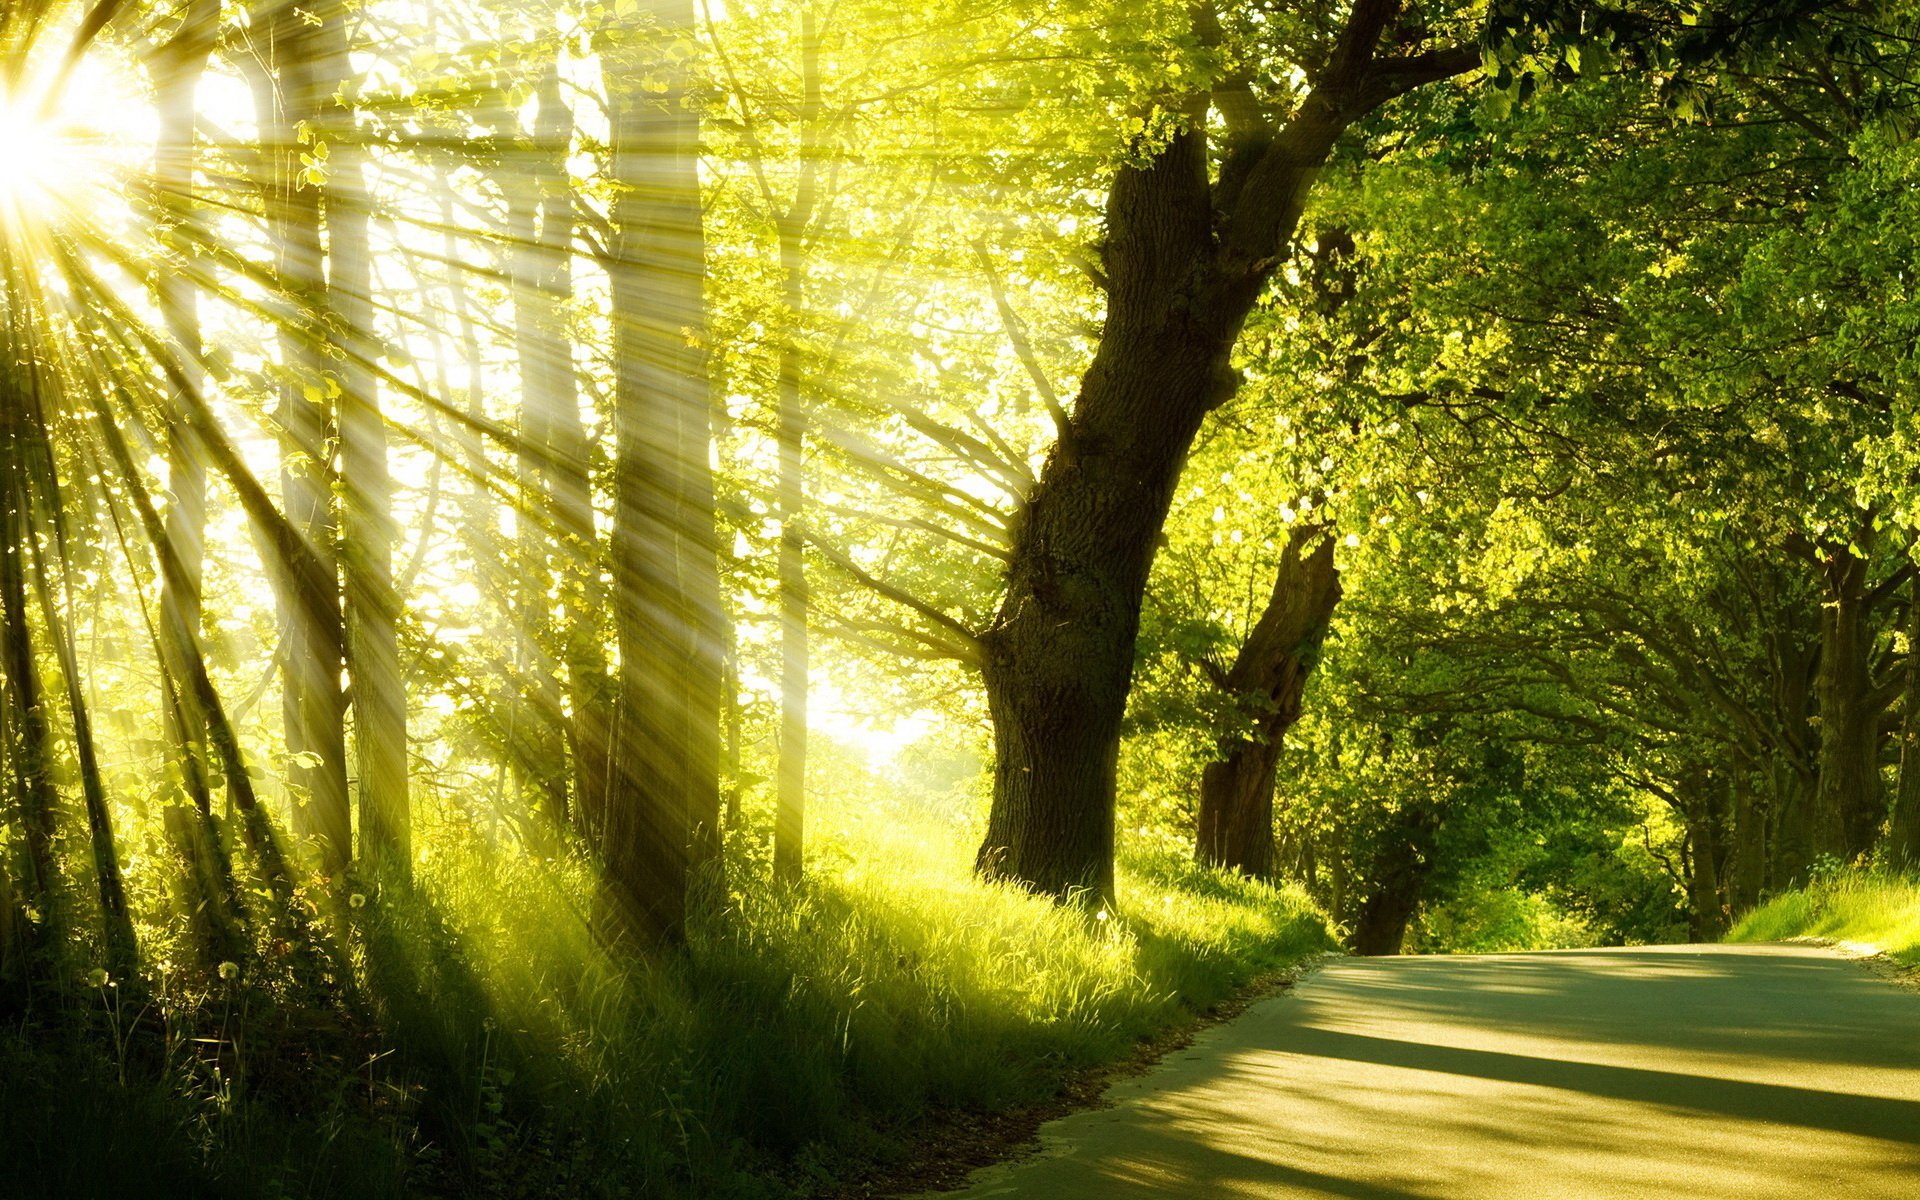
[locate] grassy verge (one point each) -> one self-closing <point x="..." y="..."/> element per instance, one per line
<point x="805" y="1036"/>
<point x="1872" y="907"/>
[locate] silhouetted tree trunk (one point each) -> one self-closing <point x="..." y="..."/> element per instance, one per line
<point x="1186" y="258"/>
<point x="1903" y="839"/>
<point x="662" y="814"/>
<point x="1706" y="918"/>
<point x="1846" y="801"/>
<point x="1397" y="880"/>
<point x="1268" y="677"/>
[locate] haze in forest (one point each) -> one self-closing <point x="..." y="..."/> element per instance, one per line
<point x="684" y="598"/>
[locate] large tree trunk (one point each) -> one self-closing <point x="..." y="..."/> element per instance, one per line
<point x="1185" y="261"/>
<point x="1706" y="916"/>
<point x="313" y="702"/>
<point x="368" y="532"/>
<point x="663" y="811"/>
<point x="1397" y="881"/>
<point x="1268" y="677"/>
<point x="1846" y="801"/>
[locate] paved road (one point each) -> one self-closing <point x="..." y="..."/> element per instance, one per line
<point x="1676" y="1073"/>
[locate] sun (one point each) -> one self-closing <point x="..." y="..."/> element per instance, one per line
<point x="40" y="161"/>
<point x="70" y="146"/>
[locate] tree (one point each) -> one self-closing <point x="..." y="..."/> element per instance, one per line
<point x="1189" y="250"/>
<point x="662" y="816"/>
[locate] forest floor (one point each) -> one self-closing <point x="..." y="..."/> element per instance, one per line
<point x="1698" y="1071"/>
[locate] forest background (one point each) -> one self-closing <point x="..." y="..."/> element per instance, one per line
<point x="653" y="598"/>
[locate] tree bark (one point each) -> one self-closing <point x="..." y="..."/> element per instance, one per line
<point x="1846" y="801"/>
<point x="1268" y="678"/>
<point x="1398" y="879"/>
<point x="1903" y="839"/>
<point x="559" y="537"/>
<point x="1186" y="259"/>
<point x="662" y="816"/>
<point x="368" y="532"/>
<point x="1706" y="918"/>
<point x="287" y="100"/>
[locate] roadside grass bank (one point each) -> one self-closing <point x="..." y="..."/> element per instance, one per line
<point x="1879" y="908"/>
<point x="806" y="1037"/>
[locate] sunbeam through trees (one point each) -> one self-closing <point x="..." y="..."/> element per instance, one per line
<point x="714" y="597"/>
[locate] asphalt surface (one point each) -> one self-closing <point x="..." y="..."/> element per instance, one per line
<point x="1677" y="1073"/>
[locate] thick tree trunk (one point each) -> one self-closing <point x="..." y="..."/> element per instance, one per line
<point x="1706" y="918"/>
<point x="1185" y="261"/>
<point x="1846" y="801"/>
<point x="313" y="702"/>
<point x="1268" y="678"/>
<point x="368" y="532"/>
<point x="663" y="812"/>
<point x="1397" y="881"/>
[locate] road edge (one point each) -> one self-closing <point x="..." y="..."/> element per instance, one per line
<point x="953" y="1145"/>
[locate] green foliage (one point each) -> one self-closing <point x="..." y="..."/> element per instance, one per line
<point x="1876" y="908"/>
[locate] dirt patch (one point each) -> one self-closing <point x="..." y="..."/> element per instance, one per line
<point x="951" y="1145"/>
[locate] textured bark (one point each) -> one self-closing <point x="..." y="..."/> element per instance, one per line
<point x="662" y="815"/>
<point x="1186" y="258"/>
<point x="313" y="706"/>
<point x="1268" y="677"/>
<point x="1846" y="801"/>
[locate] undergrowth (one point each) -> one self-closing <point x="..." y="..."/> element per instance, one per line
<point x="495" y="1047"/>
<point x="1875" y="907"/>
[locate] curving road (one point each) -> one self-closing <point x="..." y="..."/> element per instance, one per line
<point x="1670" y="1073"/>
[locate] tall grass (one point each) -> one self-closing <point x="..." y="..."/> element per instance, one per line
<point x="1874" y="907"/>
<point x="805" y="1033"/>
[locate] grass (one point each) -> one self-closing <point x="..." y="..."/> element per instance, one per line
<point x="1878" y="908"/>
<point x="805" y="1035"/>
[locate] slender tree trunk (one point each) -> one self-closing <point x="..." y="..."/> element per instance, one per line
<point x="556" y="545"/>
<point x="662" y="816"/>
<point x="1268" y="677"/>
<point x="1186" y="258"/>
<point x="1903" y="840"/>
<point x="27" y="748"/>
<point x="313" y="702"/>
<point x="210" y="893"/>
<point x="1846" y="802"/>
<point x="177" y="71"/>
<point x="368" y="533"/>
<point x="789" y="825"/>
